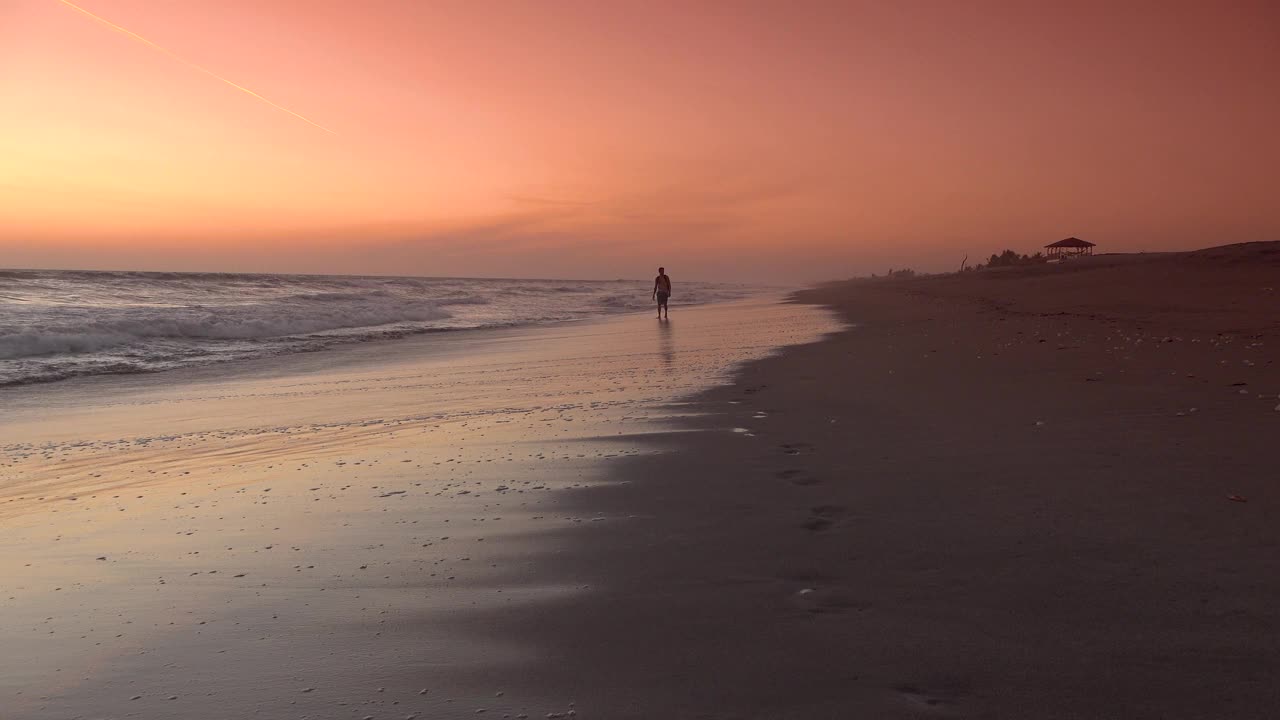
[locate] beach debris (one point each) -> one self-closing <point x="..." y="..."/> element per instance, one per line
<point x="393" y="492"/>
<point x="1237" y="498"/>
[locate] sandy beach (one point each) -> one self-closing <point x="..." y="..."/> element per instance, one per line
<point x="331" y="386"/>
<point x="1041" y="492"/>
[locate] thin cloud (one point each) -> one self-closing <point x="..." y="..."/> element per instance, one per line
<point x="135" y="36"/>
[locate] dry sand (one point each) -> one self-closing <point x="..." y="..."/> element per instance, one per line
<point x="1006" y="494"/>
<point x="1000" y="495"/>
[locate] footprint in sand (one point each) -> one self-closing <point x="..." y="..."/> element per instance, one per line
<point x="798" y="477"/>
<point x="817" y="523"/>
<point x="823" y="517"/>
<point x="926" y="699"/>
<point x="821" y="600"/>
<point x="795" y="448"/>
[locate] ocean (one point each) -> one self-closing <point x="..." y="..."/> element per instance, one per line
<point x="57" y="324"/>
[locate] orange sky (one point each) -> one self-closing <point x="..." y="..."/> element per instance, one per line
<point x="726" y="140"/>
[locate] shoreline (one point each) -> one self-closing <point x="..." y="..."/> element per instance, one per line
<point x="405" y="352"/>
<point x="224" y="320"/>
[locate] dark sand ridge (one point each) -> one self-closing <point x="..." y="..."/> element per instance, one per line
<point x="1007" y="494"/>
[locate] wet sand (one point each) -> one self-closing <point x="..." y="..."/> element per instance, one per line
<point x="314" y="536"/>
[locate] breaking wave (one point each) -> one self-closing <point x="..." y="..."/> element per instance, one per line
<point x="60" y="324"/>
<point x="259" y="323"/>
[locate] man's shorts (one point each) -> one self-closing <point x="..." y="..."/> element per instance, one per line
<point x="662" y="298"/>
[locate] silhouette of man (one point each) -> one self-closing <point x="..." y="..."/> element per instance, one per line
<point x="662" y="291"/>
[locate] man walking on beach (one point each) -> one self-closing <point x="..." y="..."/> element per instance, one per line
<point x="662" y="291"/>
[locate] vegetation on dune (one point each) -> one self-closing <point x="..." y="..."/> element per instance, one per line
<point x="1009" y="258"/>
<point x="894" y="274"/>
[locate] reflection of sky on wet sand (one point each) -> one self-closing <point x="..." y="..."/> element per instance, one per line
<point x="666" y="343"/>
<point x="192" y="535"/>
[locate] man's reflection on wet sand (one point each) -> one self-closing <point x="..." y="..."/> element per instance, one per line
<point x="666" y="343"/>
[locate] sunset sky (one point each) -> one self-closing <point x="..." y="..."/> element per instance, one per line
<point x="727" y="140"/>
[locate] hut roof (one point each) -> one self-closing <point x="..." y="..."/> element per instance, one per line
<point x="1071" y="242"/>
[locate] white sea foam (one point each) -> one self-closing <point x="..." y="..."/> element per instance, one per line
<point x="27" y="344"/>
<point x="259" y="323"/>
<point x="56" y="324"/>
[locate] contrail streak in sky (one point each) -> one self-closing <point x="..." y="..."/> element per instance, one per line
<point x="188" y="63"/>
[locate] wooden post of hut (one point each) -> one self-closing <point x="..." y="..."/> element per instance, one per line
<point x="1069" y="248"/>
